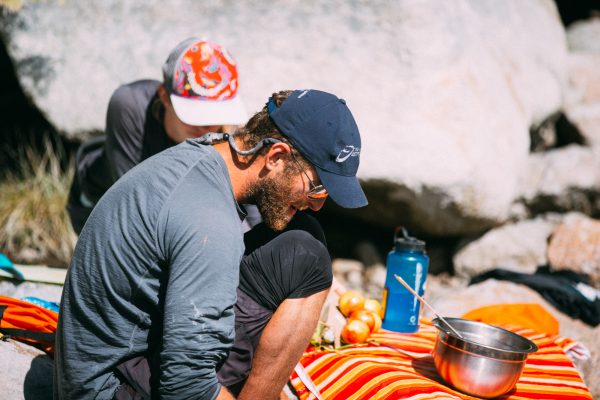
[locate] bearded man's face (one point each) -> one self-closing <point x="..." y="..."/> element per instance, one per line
<point x="277" y="199"/>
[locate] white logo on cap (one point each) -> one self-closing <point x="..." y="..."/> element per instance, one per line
<point x="347" y="152"/>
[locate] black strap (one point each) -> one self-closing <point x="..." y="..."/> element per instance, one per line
<point x="31" y="335"/>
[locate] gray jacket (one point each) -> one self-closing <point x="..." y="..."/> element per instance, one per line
<point x="154" y="272"/>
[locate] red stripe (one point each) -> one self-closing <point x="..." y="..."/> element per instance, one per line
<point x="402" y="367"/>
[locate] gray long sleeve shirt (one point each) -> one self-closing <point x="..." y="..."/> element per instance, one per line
<point x="154" y="272"/>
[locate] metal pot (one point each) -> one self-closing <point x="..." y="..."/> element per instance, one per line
<point x="486" y="363"/>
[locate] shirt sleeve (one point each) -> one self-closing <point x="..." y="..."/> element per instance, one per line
<point x="124" y="132"/>
<point x="202" y="248"/>
<point x="292" y="265"/>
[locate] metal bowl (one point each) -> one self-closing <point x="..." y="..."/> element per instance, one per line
<point x="486" y="363"/>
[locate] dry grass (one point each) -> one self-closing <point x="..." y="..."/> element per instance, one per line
<point x="16" y="5"/>
<point x="13" y="5"/>
<point x="34" y="224"/>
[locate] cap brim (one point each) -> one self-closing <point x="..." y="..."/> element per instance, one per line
<point x="209" y="112"/>
<point x="344" y="190"/>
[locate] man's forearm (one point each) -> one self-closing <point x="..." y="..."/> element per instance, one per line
<point x="281" y="346"/>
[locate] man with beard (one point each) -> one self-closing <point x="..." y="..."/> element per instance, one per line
<point x="155" y="270"/>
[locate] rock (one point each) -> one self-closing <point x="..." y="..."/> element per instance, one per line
<point x="584" y="79"/>
<point x="29" y="375"/>
<point x="444" y="93"/>
<point x="457" y="173"/>
<point x="454" y="299"/>
<point x="349" y="273"/>
<point x="354" y="280"/>
<point x="343" y="266"/>
<point x="583" y="36"/>
<point x="575" y="245"/>
<point x="368" y="254"/>
<point x="586" y="118"/>
<point x="440" y="256"/>
<point x="375" y="280"/>
<point x="582" y="102"/>
<point x="562" y="180"/>
<point x="519" y="247"/>
<point x="19" y="290"/>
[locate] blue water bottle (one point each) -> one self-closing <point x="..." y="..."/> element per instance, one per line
<point x="409" y="261"/>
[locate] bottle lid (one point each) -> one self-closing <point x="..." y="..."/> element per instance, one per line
<point x="407" y="242"/>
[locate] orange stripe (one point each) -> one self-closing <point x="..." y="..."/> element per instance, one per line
<point x="387" y="370"/>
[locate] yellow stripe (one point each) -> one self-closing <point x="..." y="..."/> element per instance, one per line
<point x="531" y="367"/>
<point x="527" y="388"/>
<point x="552" y="381"/>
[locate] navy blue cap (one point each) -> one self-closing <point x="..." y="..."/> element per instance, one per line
<point x="322" y="128"/>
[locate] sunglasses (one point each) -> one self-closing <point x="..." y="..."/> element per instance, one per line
<point x="316" y="192"/>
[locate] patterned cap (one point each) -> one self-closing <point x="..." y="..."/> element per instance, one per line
<point x="202" y="80"/>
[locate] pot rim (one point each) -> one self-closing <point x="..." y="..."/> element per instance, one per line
<point x="484" y="350"/>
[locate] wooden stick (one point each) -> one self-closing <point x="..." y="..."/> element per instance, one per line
<point x="422" y="300"/>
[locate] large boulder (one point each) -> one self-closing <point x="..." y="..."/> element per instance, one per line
<point x="582" y="36"/>
<point x="582" y="103"/>
<point x="568" y="178"/>
<point x="575" y="246"/>
<point x="561" y="241"/>
<point x="562" y="180"/>
<point x="519" y="247"/>
<point x="444" y="92"/>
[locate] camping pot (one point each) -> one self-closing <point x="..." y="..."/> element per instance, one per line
<point x="487" y="362"/>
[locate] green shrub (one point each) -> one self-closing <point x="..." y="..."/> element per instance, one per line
<point x="34" y="225"/>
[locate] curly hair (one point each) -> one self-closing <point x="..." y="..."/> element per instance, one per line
<point x="260" y="126"/>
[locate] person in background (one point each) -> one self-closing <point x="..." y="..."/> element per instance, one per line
<point x="198" y="94"/>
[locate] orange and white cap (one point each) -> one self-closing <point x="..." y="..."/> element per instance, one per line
<point x="202" y="80"/>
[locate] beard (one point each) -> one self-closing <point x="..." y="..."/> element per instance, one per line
<point x="273" y="198"/>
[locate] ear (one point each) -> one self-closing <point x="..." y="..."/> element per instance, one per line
<point x="277" y="156"/>
<point x="163" y="95"/>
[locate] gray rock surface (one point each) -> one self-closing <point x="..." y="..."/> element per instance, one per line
<point x="583" y="36"/>
<point x="444" y="92"/>
<point x="562" y="180"/>
<point x="575" y="246"/>
<point x="29" y="372"/>
<point x="582" y="102"/>
<point x="520" y="247"/>
<point x="19" y="290"/>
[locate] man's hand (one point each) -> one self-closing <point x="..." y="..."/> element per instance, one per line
<point x="281" y="345"/>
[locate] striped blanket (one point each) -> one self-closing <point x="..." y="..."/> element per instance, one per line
<point x="400" y="366"/>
